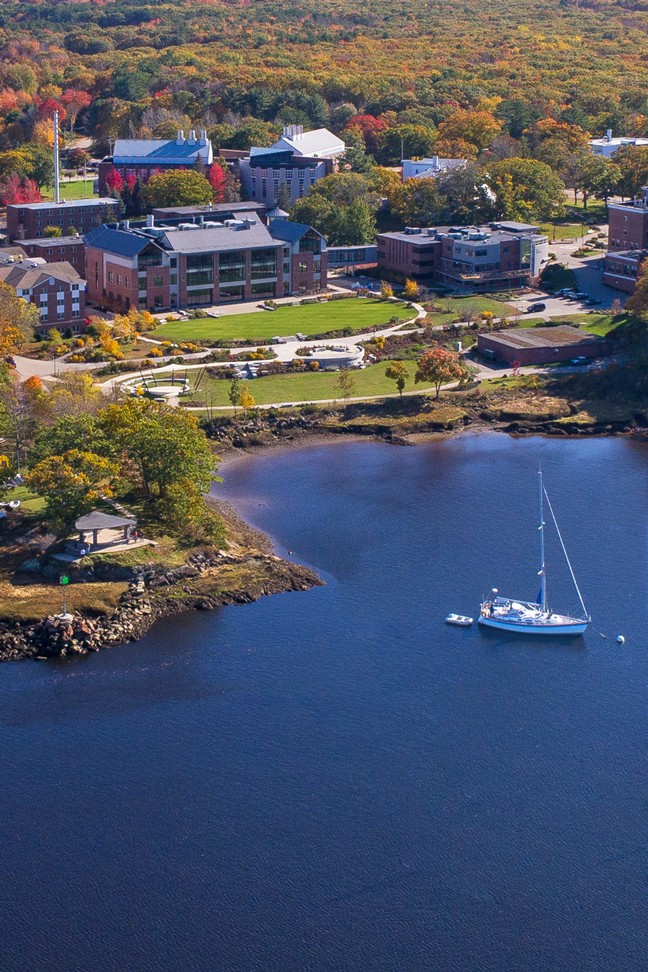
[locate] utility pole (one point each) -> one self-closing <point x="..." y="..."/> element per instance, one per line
<point x="57" y="187"/>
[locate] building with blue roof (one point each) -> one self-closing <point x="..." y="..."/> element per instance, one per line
<point x="141" y="158"/>
<point x="179" y="262"/>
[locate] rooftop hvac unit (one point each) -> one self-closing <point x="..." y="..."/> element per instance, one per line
<point x="188" y="226"/>
<point x="211" y="224"/>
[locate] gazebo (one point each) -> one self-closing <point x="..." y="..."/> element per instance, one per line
<point x="98" y="529"/>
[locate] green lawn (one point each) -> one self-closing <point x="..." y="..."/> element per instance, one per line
<point x="563" y="231"/>
<point x="79" y="189"/>
<point x="308" y="386"/>
<point x="453" y="308"/>
<point x="29" y="502"/>
<point x="333" y="315"/>
<point x="600" y="324"/>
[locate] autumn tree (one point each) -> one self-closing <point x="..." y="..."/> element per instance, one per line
<point x="71" y="484"/>
<point x="17" y="321"/>
<point x="411" y="289"/>
<point x="633" y="163"/>
<point x="438" y="367"/>
<point x="398" y="372"/>
<point x="386" y="290"/>
<point x="637" y="303"/>
<point x="478" y="128"/>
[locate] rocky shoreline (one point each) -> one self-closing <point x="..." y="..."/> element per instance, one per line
<point x="205" y="582"/>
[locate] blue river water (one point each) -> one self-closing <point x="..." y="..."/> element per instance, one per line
<point x="335" y="780"/>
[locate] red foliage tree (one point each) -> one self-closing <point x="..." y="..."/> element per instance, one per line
<point x="114" y="182"/>
<point x="74" y="102"/>
<point x="369" y="127"/>
<point x="15" y="190"/>
<point x="218" y="182"/>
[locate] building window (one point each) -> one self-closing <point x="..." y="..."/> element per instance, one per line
<point x="158" y="280"/>
<point x="302" y="267"/>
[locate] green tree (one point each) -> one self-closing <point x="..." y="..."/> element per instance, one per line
<point x="53" y="231"/>
<point x="345" y="383"/>
<point x="599" y="177"/>
<point x="342" y="207"/>
<point x="464" y="196"/>
<point x="526" y="190"/>
<point x="438" y="367"/>
<point x="180" y="187"/>
<point x="404" y="142"/>
<point x="235" y="392"/>
<point x="418" y="203"/>
<point x="71" y="484"/>
<point x="159" y="446"/>
<point x="633" y="163"/>
<point x="69" y="432"/>
<point x="398" y="372"/>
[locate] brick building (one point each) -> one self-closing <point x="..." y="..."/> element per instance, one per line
<point x="627" y="242"/>
<point x="143" y="157"/>
<point x="540" y="345"/>
<point x="27" y="221"/>
<point x="56" y="289"/>
<point x="296" y="162"/>
<point x="219" y="211"/>
<point x="69" y="249"/>
<point x="468" y="259"/>
<point x="191" y="264"/>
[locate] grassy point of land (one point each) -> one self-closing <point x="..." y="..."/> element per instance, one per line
<point x="309" y="386"/>
<point x="306" y="319"/>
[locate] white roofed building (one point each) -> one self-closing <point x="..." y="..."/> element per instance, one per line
<point x="295" y="161"/>
<point x="608" y="145"/>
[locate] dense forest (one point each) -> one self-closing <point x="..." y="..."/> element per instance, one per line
<point x="581" y="62"/>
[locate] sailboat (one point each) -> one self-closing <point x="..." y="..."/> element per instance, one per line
<point x="527" y="617"/>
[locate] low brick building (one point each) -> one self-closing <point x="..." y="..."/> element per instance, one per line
<point x="70" y="249"/>
<point x="627" y="242"/>
<point x="466" y="259"/>
<point x="27" y="221"/>
<point x="540" y="345"/>
<point x="56" y="289"/>
<point x="175" y="264"/>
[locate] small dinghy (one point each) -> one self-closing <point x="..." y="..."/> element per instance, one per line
<point x="459" y="619"/>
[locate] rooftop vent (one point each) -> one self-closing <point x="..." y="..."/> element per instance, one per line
<point x="180" y="137"/>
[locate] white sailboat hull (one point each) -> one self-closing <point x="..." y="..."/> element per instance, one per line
<point x="569" y="629"/>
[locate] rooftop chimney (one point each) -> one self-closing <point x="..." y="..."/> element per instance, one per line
<point x="203" y="136"/>
<point x="150" y="221"/>
<point x="192" y="137"/>
<point x="608" y="135"/>
<point x="180" y="138"/>
<point x="435" y="161"/>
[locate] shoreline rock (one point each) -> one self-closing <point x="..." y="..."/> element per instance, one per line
<point x="153" y="594"/>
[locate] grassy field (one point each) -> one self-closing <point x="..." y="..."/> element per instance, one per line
<point x="308" y="386"/>
<point x="600" y="324"/>
<point x="558" y="232"/>
<point x="453" y="308"/>
<point x="288" y="319"/>
<point x="29" y="502"/>
<point x="79" y="189"/>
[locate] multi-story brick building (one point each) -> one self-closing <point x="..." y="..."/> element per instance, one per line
<point x="219" y="211"/>
<point x="296" y="161"/>
<point x="627" y="242"/>
<point x="190" y="264"/>
<point x="56" y="289"/>
<point x="467" y="259"/>
<point x="70" y="249"/>
<point x="27" y="221"/>
<point x="143" y="157"/>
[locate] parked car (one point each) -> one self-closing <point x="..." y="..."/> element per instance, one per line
<point x="580" y="360"/>
<point x="593" y="302"/>
<point x="532" y="308"/>
<point x="579" y="295"/>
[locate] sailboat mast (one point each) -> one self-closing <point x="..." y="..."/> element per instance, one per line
<point x="542" y="572"/>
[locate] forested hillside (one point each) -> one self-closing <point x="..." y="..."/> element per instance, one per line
<point x="585" y="63"/>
